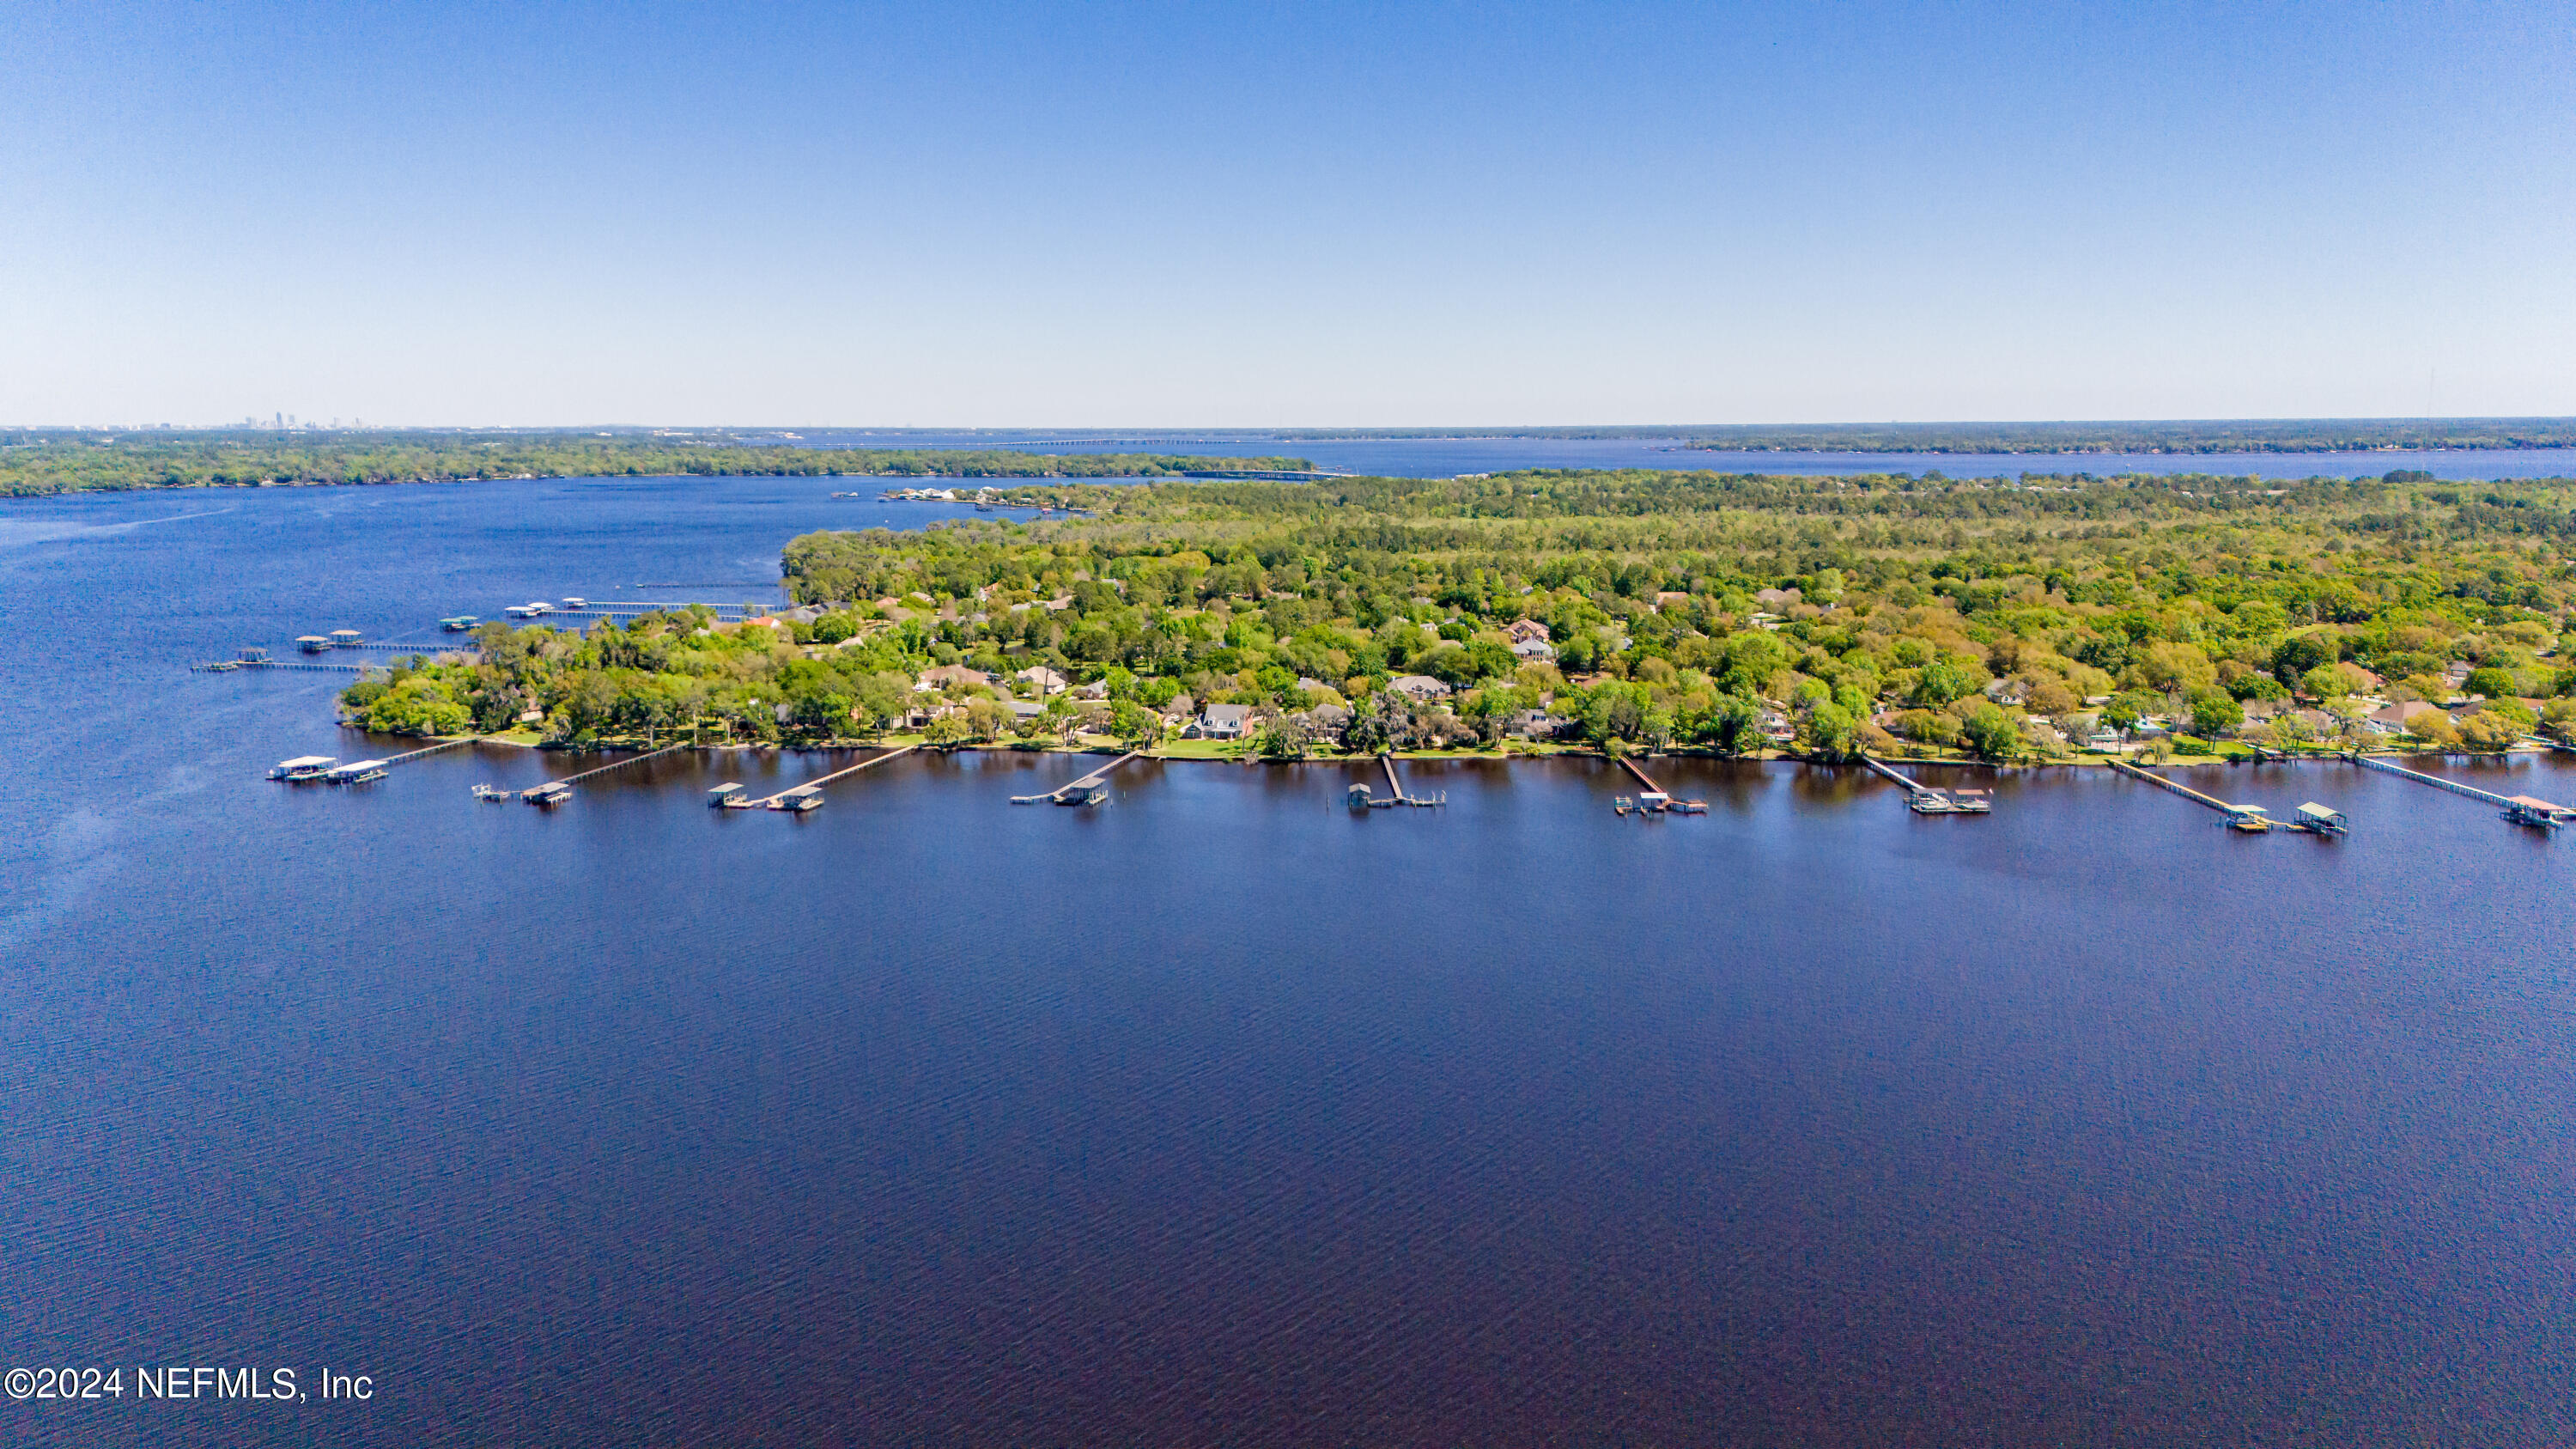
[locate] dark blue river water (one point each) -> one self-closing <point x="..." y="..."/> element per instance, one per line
<point x="1217" y="1115"/>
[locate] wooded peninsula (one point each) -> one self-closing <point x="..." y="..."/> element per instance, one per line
<point x="2032" y="620"/>
<point x="70" y="463"/>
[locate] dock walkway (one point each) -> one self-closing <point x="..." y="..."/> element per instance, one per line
<point x="794" y="796"/>
<point x="2519" y="809"/>
<point x="1361" y="799"/>
<point x="553" y="791"/>
<point x="1912" y="785"/>
<point x="1078" y="791"/>
<point x="1656" y="800"/>
<point x="2313" y="818"/>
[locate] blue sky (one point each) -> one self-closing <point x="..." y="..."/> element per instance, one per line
<point x="1149" y="215"/>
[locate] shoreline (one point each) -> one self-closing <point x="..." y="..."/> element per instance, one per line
<point x="1229" y="755"/>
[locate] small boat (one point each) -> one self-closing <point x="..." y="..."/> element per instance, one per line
<point x="739" y="802"/>
<point x="1622" y="804"/>
<point x="1930" y="802"/>
<point x="1087" y="795"/>
<point x="1690" y="807"/>
<point x="490" y="793"/>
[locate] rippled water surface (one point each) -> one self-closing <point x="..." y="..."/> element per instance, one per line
<point x="1217" y="1114"/>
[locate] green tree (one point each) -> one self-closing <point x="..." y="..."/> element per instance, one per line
<point x="2214" y="712"/>
<point x="1137" y="727"/>
<point x="1990" y="732"/>
<point x="2490" y="682"/>
<point x="1941" y="682"/>
<point x="1828" y="732"/>
<point x="2293" y="657"/>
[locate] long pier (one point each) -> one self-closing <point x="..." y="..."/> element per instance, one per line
<point x="553" y="791"/>
<point x="1067" y="793"/>
<point x="466" y="648"/>
<point x="1657" y="799"/>
<point x="1912" y="785"/>
<point x="433" y="749"/>
<point x="1395" y="787"/>
<point x="227" y="666"/>
<point x="790" y="798"/>
<point x="2249" y="818"/>
<point x="2519" y="809"/>
<point x="2185" y="791"/>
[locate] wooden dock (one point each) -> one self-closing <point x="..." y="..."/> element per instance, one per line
<point x="555" y="791"/>
<point x="808" y="796"/>
<point x="2252" y="819"/>
<point x="2516" y="809"/>
<point x="1924" y="799"/>
<point x="433" y="749"/>
<point x="1909" y="782"/>
<point x="1656" y="800"/>
<point x="227" y="666"/>
<point x="1085" y="791"/>
<point x="1361" y="799"/>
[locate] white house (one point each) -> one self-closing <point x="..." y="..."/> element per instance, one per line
<point x="1224" y="722"/>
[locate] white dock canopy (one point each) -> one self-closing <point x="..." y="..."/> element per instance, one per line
<point x="2324" y="818"/>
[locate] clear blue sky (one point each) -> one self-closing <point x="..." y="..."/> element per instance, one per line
<point x="1312" y="213"/>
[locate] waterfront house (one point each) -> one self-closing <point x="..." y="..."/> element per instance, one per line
<point x="1420" y="686"/>
<point x="1046" y="680"/>
<point x="1224" y="722"/>
<point x="1533" y="649"/>
<point x="1526" y="631"/>
<point x="2394" y="719"/>
<point x="1537" y="724"/>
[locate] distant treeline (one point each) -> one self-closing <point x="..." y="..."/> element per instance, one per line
<point x="2309" y="435"/>
<point x="2279" y="435"/>
<point x="79" y="462"/>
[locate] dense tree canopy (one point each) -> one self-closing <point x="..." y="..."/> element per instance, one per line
<point x="1720" y="610"/>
